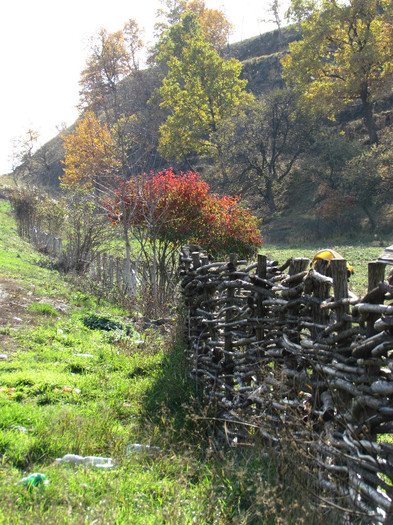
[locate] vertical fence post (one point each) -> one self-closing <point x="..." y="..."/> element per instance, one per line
<point x="111" y="267"/>
<point x="321" y="292"/>
<point x="296" y="266"/>
<point x="260" y="310"/>
<point x="340" y="286"/>
<point x="118" y="272"/>
<point x="376" y="273"/>
<point x="125" y="277"/>
<point x="260" y="313"/>
<point x="53" y="245"/>
<point x="209" y="327"/>
<point x="194" y="327"/>
<point x="228" y="347"/>
<point x="105" y="269"/>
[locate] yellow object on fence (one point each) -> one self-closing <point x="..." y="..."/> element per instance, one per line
<point x="329" y="254"/>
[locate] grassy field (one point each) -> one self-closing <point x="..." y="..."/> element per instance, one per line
<point x="67" y="388"/>
<point x="356" y="255"/>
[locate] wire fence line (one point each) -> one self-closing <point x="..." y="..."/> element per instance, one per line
<point x="106" y="269"/>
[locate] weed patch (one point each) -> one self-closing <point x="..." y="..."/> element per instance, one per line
<point x="101" y="322"/>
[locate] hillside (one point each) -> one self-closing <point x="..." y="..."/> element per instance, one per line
<point x="260" y="57"/>
<point x="299" y="214"/>
<point x="69" y="391"/>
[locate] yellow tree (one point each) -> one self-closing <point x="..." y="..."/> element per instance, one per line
<point x="213" y="22"/>
<point x="346" y="54"/>
<point x="95" y="153"/>
<point x="90" y="154"/>
<point x="113" y="57"/>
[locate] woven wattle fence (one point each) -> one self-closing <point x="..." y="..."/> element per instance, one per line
<point x="286" y="353"/>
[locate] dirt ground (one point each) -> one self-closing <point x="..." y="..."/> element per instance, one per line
<point x="14" y="313"/>
<point x="14" y="301"/>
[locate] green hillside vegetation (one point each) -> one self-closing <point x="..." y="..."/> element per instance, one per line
<point x="309" y="170"/>
<point x="72" y="385"/>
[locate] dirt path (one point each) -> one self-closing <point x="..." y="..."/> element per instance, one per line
<point x="14" y="313"/>
<point x="14" y="301"/>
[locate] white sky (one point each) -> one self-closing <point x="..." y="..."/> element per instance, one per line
<point x="44" y="47"/>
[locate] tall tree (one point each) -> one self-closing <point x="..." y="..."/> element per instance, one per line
<point x="213" y="22"/>
<point x="113" y="57"/>
<point x="263" y="141"/>
<point x="199" y="91"/>
<point x="90" y="154"/>
<point x="346" y="54"/>
<point x="274" y="10"/>
<point x="119" y="147"/>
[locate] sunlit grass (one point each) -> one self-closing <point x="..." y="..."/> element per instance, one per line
<point x="70" y="389"/>
<point x="357" y="256"/>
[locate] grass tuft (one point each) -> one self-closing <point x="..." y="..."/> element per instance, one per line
<point x="44" y="309"/>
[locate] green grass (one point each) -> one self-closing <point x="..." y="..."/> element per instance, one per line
<point x="44" y="309"/>
<point x="55" y="402"/>
<point x="357" y="255"/>
<point x="71" y="387"/>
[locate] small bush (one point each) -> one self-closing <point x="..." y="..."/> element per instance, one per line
<point x="101" y="322"/>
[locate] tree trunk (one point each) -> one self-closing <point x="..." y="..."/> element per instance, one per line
<point x="154" y="278"/>
<point x="368" y="117"/>
<point x="269" y="196"/>
<point x="224" y="173"/>
<point x="369" y="217"/>
<point x="131" y="285"/>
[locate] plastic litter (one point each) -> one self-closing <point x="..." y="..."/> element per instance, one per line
<point x="92" y="461"/>
<point x="136" y="448"/>
<point x="34" y="480"/>
<point x="19" y="428"/>
<point x="3" y="357"/>
<point x="67" y="389"/>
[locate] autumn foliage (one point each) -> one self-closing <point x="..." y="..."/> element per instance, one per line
<point x="180" y="209"/>
<point x="90" y="154"/>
